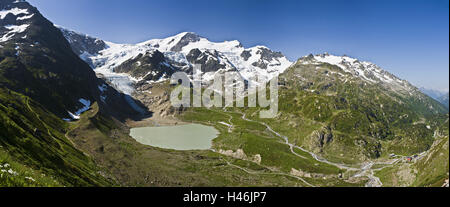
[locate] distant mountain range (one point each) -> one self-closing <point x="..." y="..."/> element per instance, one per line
<point x="432" y="92"/>
<point x="444" y="99"/>
<point x="440" y="96"/>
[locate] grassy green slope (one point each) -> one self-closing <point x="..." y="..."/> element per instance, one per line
<point x="255" y="140"/>
<point x="133" y="164"/>
<point x="34" y="137"/>
<point x="364" y="120"/>
<point x="433" y="169"/>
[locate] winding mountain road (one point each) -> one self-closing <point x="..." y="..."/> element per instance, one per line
<point x="365" y="170"/>
<point x="258" y="173"/>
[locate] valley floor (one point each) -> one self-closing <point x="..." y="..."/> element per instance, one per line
<point x="248" y="152"/>
<point x="308" y="168"/>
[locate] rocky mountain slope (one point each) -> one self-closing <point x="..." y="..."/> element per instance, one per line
<point x="44" y="86"/>
<point x="38" y="62"/>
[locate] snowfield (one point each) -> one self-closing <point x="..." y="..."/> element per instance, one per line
<point x="230" y="54"/>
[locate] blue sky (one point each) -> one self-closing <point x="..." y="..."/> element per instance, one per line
<point x="409" y="38"/>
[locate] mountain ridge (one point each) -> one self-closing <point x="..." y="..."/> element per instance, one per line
<point x="175" y="61"/>
<point x="183" y="50"/>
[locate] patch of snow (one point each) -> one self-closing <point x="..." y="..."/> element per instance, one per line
<point x="15" y="11"/>
<point x="76" y="115"/>
<point x="17" y="48"/>
<point x="226" y="124"/>
<point x="12" y="172"/>
<point x="120" y="81"/>
<point x="30" y="178"/>
<point x="13" y="30"/>
<point x="73" y="116"/>
<point x="87" y="105"/>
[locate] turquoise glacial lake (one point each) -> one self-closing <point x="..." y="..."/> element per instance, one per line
<point x="179" y="137"/>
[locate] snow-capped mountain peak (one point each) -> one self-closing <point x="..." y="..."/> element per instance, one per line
<point x="186" y="41"/>
<point x="173" y="43"/>
<point x="364" y="70"/>
<point x="181" y="52"/>
<point x="231" y="54"/>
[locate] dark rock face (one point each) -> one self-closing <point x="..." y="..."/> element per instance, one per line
<point x="321" y="138"/>
<point x="246" y="55"/>
<point x="193" y="55"/>
<point x="307" y="58"/>
<point x="209" y="60"/>
<point x="83" y="43"/>
<point x="325" y="136"/>
<point x="269" y="55"/>
<point x="151" y="66"/>
<point x="260" y="64"/>
<point x="185" y="40"/>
